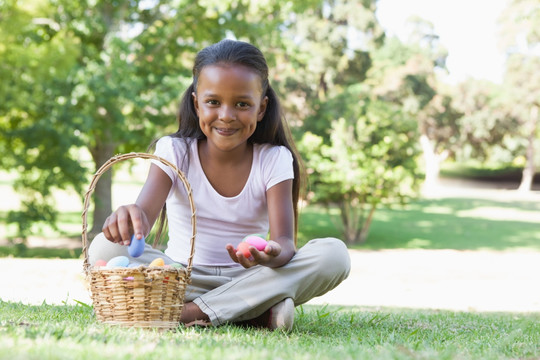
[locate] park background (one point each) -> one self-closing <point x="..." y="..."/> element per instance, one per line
<point x="417" y="121"/>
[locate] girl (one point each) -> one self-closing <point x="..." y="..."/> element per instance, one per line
<point x="235" y="148"/>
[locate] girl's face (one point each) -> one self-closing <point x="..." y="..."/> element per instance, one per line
<point x="229" y="104"/>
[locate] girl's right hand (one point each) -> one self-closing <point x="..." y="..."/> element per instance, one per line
<point x="124" y="222"/>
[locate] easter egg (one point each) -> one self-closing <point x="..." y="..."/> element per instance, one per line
<point x="177" y="266"/>
<point x="256" y="241"/>
<point x="100" y="263"/>
<point x="243" y="247"/>
<point x="157" y="262"/>
<point x="136" y="246"/>
<point x="118" y="261"/>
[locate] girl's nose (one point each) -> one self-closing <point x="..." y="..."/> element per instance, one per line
<point x="227" y="113"/>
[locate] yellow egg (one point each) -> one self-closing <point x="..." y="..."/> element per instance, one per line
<point x="157" y="262"/>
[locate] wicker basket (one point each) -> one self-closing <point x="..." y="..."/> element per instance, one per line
<point x="150" y="297"/>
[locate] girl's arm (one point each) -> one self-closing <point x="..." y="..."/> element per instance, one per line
<point x="139" y="218"/>
<point x="280" y="248"/>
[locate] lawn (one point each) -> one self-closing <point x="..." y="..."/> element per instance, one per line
<point x="320" y="332"/>
<point x="452" y="223"/>
<point x="71" y="332"/>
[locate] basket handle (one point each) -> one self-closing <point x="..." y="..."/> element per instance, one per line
<point x="104" y="168"/>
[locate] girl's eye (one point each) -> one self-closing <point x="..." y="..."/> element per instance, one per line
<point x="242" y="105"/>
<point x="212" y="102"/>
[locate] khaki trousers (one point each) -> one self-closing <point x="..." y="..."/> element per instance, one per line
<point x="229" y="294"/>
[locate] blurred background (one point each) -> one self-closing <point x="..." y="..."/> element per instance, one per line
<point x="417" y="120"/>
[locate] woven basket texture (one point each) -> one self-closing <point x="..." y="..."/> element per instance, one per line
<point x="149" y="297"/>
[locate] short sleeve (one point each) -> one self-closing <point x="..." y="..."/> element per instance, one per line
<point x="170" y="149"/>
<point x="277" y="165"/>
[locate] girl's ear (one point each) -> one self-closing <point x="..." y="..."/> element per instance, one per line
<point x="195" y="103"/>
<point x="262" y="108"/>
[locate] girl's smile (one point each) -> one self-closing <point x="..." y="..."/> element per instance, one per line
<point x="229" y="103"/>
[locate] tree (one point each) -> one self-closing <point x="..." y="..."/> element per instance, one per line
<point x="37" y="138"/>
<point x="328" y="48"/>
<point x="487" y="127"/>
<point x="520" y="36"/>
<point x="362" y="117"/>
<point x="439" y="135"/>
<point x="104" y="76"/>
<point x="416" y="62"/>
<point x="370" y="159"/>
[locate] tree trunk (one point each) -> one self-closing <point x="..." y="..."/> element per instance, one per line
<point x="349" y="220"/>
<point x="367" y="224"/>
<point x="102" y="195"/>
<point x="528" y="171"/>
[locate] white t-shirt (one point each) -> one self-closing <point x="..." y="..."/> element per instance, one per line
<point x="220" y="220"/>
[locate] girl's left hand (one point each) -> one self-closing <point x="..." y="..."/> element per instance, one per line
<point x="270" y="252"/>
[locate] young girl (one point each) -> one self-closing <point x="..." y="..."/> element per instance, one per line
<point x="235" y="148"/>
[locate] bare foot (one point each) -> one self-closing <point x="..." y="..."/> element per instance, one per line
<point x="192" y="315"/>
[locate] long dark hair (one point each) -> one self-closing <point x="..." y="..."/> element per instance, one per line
<point x="272" y="129"/>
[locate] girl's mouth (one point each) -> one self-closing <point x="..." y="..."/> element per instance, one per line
<point x="225" y="131"/>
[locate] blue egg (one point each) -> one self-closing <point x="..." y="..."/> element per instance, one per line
<point x="136" y="247"/>
<point x="118" y="261"/>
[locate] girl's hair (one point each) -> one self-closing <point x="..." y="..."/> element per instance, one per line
<point x="272" y="129"/>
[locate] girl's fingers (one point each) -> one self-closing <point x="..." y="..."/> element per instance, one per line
<point x="138" y="221"/>
<point x="124" y="222"/>
<point x="105" y="230"/>
<point x="232" y="252"/>
<point x="124" y="226"/>
<point x="272" y="248"/>
<point x="110" y="230"/>
<point x="257" y="257"/>
<point x="245" y="262"/>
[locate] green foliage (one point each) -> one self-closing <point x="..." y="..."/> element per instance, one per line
<point x="487" y="126"/>
<point x="321" y="332"/>
<point x="327" y="49"/>
<point x="369" y="159"/>
<point x="521" y="39"/>
<point x="360" y="139"/>
<point x="104" y="76"/>
<point x="36" y="136"/>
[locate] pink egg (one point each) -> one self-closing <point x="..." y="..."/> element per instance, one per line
<point x="100" y="263"/>
<point x="256" y="241"/>
<point x="243" y="247"/>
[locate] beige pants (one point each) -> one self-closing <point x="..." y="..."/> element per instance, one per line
<point x="228" y="294"/>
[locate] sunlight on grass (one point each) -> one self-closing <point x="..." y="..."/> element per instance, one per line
<point x="424" y="224"/>
<point x="456" y="223"/>
<point x="418" y="243"/>
<point x="438" y="209"/>
<point x="500" y="213"/>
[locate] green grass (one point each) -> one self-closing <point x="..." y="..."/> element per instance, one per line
<point x="23" y="251"/>
<point x="71" y="332"/>
<point x="460" y="224"/>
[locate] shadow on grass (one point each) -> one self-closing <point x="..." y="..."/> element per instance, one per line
<point x="23" y="251"/>
<point x="460" y="224"/>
